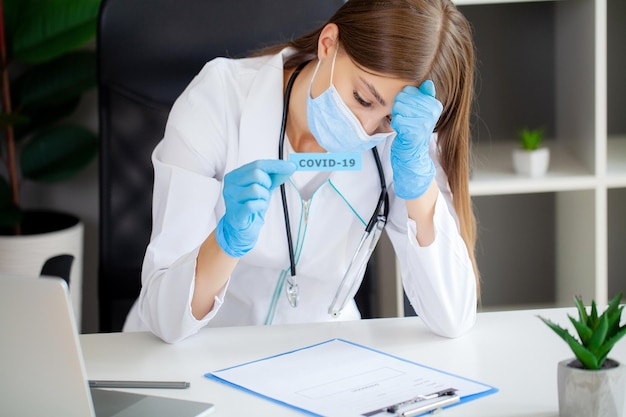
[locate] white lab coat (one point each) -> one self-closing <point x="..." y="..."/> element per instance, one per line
<point x="229" y="115"/>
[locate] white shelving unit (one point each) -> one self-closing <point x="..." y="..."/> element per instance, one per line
<point x="616" y="161"/>
<point x="616" y="145"/>
<point x="546" y="64"/>
<point x="493" y="172"/>
<point x="585" y="163"/>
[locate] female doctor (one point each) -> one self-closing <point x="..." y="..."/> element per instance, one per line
<point x="242" y="237"/>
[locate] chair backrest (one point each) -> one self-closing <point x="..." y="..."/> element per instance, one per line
<point x="149" y="50"/>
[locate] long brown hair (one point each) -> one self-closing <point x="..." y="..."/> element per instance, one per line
<point x="416" y="40"/>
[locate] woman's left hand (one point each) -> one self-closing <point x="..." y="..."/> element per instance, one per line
<point x="414" y="115"/>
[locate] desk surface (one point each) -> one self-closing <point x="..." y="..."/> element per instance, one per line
<point x="513" y="351"/>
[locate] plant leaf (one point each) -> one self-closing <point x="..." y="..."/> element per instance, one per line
<point x="599" y="335"/>
<point x="557" y="329"/>
<point x="614" y="321"/>
<point x="584" y="332"/>
<point x="57" y="81"/>
<point x="587" y="358"/>
<point x="614" y="303"/>
<point x="43" y="117"/>
<point x="530" y="138"/>
<point x="58" y="153"/>
<point x="614" y="313"/>
<point x="582" y="311"/>
<point x="593" y="316"/>
<point x="608" y="345"/>
<point x="48" y="29"/>
<point x="10" y="9"/>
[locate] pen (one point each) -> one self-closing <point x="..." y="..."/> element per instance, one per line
<point x="424" y="406"/>
<point x="418" y="405"/>
<point x="446" y="392"/>
<point x="139" y="384"/>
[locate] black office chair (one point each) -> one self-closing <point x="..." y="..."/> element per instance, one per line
<point x="58" y="266"/>
<point x="149" y="50"/>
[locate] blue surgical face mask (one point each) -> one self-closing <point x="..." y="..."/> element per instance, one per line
<point x="334" y="125"/>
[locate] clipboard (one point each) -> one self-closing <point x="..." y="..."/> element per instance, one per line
<point x="339" y="378"/>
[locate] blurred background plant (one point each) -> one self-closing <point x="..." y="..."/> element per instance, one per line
<point x="530" y="139"/>
<point x="45" y="70"/>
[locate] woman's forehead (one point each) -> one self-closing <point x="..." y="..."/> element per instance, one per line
<point x="385" y="86"/>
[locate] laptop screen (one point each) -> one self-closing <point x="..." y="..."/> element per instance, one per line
<point x="43" y="372"/>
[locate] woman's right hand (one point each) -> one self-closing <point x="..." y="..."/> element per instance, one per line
<point x="247" y="192"/>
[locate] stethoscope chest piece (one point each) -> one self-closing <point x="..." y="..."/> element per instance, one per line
<point x="293" y="291"/>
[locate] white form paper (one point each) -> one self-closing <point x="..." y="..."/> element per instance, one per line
<point x="343" y="379"/>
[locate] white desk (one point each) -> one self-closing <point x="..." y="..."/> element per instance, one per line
<point x="513" y="351"/>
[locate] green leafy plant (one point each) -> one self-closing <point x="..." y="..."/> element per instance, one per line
<point x="530" y="139"/>
<point x="44" y="72"/>
<point x="597" y="334"/>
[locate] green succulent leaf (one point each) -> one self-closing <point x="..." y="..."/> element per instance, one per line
<point x="582" y="311"/>
<point x="599" y="334"/>
<point x="48" y="29"/>
<point x="614" y="314"/>
<point x="58" y="153"/>
<point x="584" y="332"/>
<point x="615" y="302"/>
<point x="593" y="316"/>
<point x="57" y="81"/>
<point x="614" y="320"/>
<point x="558" y="329"/>
<point x="604" y="351"/>
<point x="530" y="139"/>
<point x="587" y="358"/>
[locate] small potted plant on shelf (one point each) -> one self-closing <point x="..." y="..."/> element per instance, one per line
<point x="531" y="158"/>
<point x="592" y="384"/>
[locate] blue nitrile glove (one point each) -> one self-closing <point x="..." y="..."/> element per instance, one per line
<point x="414" y="114"/>
<point x="247" y="192"/>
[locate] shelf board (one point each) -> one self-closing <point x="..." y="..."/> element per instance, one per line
<point x="616" y="162"/>
<point x="493" y="172"/>
<point x="520" y="306"/>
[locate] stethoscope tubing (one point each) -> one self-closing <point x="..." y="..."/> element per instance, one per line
<point x="383" y="199"/>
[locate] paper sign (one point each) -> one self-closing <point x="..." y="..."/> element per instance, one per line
<point x="326" y="161"/>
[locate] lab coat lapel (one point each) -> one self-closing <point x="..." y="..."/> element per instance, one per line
<point x="262" y="114"/>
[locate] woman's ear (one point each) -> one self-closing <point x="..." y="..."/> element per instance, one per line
<point x="328" y="41"/>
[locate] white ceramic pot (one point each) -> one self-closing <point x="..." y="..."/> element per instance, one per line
<point x="588" y="393"/>
<point x="26" y="254"/>
<point x="531" y="163"/>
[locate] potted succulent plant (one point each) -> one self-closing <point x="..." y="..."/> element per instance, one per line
<point x="592" y="384"/>
<point x="531" y="158"/>
<point x="44" y="71"/>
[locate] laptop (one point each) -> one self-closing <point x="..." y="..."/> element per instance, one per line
<point x="42" y="371"/>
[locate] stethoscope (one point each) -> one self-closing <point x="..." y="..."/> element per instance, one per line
<point x="376" y="222"/>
